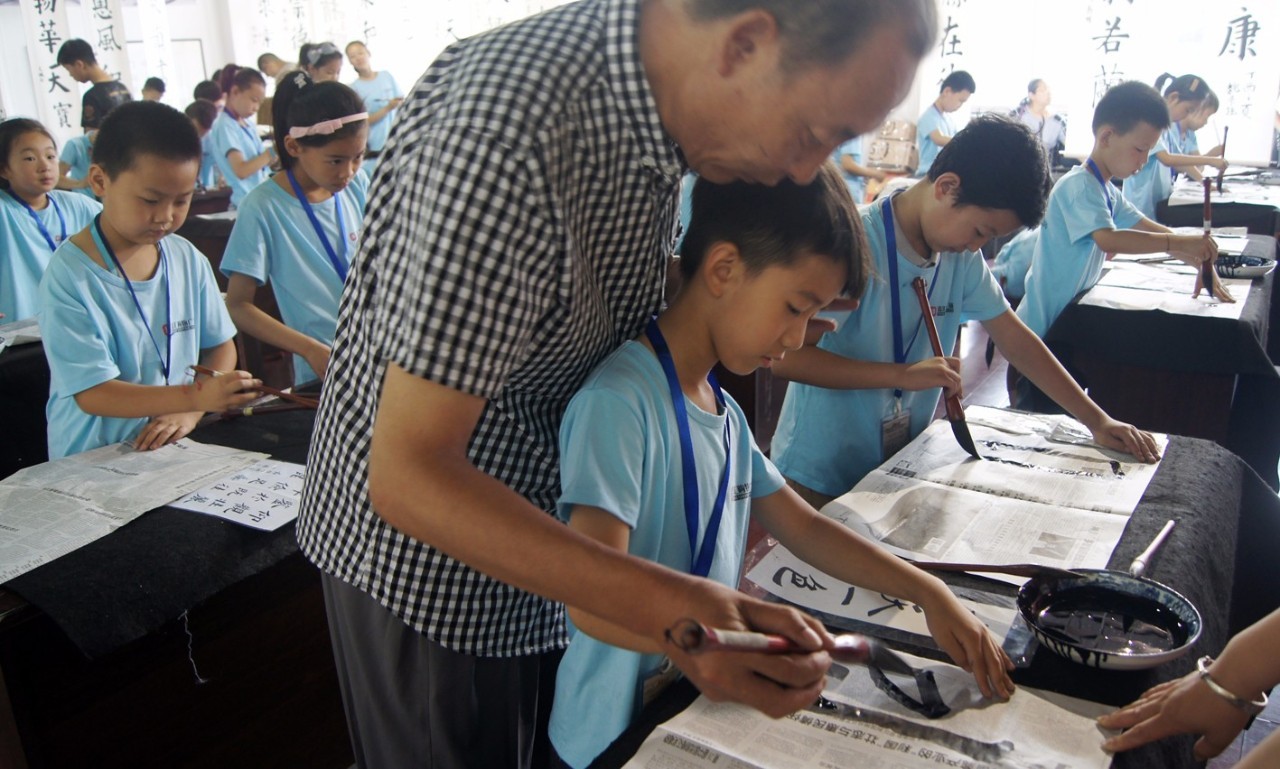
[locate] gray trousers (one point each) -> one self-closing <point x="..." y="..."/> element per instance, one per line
<point x="413" y="704"/>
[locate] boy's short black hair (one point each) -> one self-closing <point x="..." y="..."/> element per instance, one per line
<point x="153" y="84"/>
<point x="203" y="112"/>
<point x="208" y="90"/>
<point x="144" y="128"/>
<point x="1001" y="166"/>
<point x="75" y="50"/>
<point x="777" y="225"/>
<point x="10" y="130"/>
<point x="1127" y="104"/>
<point x="959" y="81"/>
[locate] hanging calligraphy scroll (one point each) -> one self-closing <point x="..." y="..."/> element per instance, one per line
<point x="46" y="28"/>
<point x="106" y="35"/>
<point x="157" y="43"/>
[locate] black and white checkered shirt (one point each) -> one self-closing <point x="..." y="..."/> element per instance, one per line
<point x="518" y="231"/>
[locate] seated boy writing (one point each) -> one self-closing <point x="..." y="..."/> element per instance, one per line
<point x="865" y="390"/>
<point x="758" y="263"/>
<point x="126" y="306"/>
<point x="1088" y="218"/>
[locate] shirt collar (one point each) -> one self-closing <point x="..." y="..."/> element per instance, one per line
<point x="627" y="81"/>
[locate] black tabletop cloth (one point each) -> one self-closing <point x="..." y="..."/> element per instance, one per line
<point x="129" y="583"/>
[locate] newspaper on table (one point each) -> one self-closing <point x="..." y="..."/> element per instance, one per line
<point x="262" y="496"/>
<point x="783" y="574"/>
<point x="19" y="332"/>
<point x="855" y="724"/>
<point x="1167" y="287"/>
<point x="1043" y="492"/>
<point x="50" y="509"/>
<point x="1189" y="192"/>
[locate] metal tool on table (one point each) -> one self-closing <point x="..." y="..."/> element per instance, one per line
<point x="955" y="412"/>
<point x="695" y="638"/>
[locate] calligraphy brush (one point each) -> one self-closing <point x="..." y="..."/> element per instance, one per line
<point x="288" y="396"/>
<point x="1206" y="267"/>
<point x="1222" y="171"/>
<point x="955" y="412"/>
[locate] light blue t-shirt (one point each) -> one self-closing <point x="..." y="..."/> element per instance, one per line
<point x="1154" y="181"/>
<point x="829" y="439"/>
<point x="1067" y="261"/>
<point x="620" y="452"/>
<point x="92" y="334"/>
<point x="1014" y="260"/>
<point x="24" y="252"/>
<point x="273" y="241"/>
<point x="376" y="94"/>
<point x="78" y="154"/>
<point x="857" y="184"/>
<point x="229" y="134"/>
<point x="932" y="120"/>
<point x="208" y="177"/>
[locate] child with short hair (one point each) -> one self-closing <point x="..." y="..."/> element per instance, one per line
<point x="298" y="230"/>
<point x="202" y="114"/>
<point x="758" y="263"/>
<point x="34" y="217"/>
<point x="242" y="159"/>
<point x="1184" y="97"/>
<point x="934" y="128"/>
<point x="153" y="89"/>
<point x="1088" y="217"/>
<point x="126" y="307"/>
<point x="866" y="389"/>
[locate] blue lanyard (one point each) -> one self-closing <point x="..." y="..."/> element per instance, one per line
<point x="36" y="218"/>
<point x="703" y="556"/>
<point x="253" y="136"/>
<point x="340" y="266"/>
<point x="1097" y="174"/>
<point x="891" y="240"/>
<point x="105" y="247"/>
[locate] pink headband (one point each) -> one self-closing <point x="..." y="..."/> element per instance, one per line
<point x="327" y="127"/>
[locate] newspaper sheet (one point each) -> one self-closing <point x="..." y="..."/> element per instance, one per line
<point x="19" y="332"/>
<point x="1044" y="493"/>
<point x="262" y="496"/>
<point x="856" y="725"/>
<point x="1188" y="192"/>
<point x="1167" y="287"/>
<point x="53" y="508"/>
<point x="783" y="574"/>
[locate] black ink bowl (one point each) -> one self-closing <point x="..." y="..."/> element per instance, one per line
<point x="1109" y="619"/>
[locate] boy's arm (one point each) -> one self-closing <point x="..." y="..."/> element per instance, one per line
<point x="608" y="530"/>
<point x="1029" y="355"/>
<point x="250" y="319"/>
<point x="939" y="138"/>
<point x="821" y="368"/>
<point x="1148" y="237"/>
<point x="838" y="551"/>
<point x="850" y="165"/>
<point x="422" y="481"/>
<point x="1183" y="162"/>
<point x="117" y="398"/>
<point x="164" y="429"/>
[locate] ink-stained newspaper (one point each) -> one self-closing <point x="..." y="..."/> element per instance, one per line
<point x="855" y="724"/>
<point x="50" y="509"/>
<point x="1167" y="287"/>
<point x="1043" y="493"/>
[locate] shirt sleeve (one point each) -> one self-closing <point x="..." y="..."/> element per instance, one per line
<point x="1127" y="214"/>
<point x="602" y="467"/>
<point x="248" y="245"/>
<point x="983" y="299"/>
<point x="1086" y="211"/>
<point x="468" y="264"/>
<point x="216" y="326"/>
<point x="82" y="357"/>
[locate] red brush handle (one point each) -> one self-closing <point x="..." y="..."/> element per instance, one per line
<point x="954" y="409"/>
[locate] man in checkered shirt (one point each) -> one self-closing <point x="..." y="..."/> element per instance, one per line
<point x="519" y="230"/>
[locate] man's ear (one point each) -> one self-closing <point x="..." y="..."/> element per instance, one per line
<point x="721" y="268"/>
<point x="747" y="35"/>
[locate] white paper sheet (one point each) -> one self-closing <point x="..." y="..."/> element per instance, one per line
<point x="50" y="509"/>
<point x="862" y="727"/>
<point x="262" y="496"/>
<point x="1188" y="192"/>
<point x="19" y="332"/>
<point x="783" y="574"/>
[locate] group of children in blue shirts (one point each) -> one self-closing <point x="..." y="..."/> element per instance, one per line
<point x="127" y="307"/>
<point x="656" y="458"/>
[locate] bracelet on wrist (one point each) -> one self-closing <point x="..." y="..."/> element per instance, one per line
<point x="1251" y="708"/>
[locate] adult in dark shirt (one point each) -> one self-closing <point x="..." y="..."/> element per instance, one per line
<point x="77" y="58"/>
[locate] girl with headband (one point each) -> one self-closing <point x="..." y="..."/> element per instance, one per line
<point x="299" y="230"/>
